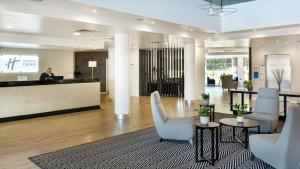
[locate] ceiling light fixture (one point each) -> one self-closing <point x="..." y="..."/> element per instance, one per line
<point x="152" y="22"/>
<point x="9" y="27"/>
<point x="76" y="33"/>
<point x="94" y="11"/>
<point x="216" y="8"/>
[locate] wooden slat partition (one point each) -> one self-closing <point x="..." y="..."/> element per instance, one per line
<point x="162" y="70"/>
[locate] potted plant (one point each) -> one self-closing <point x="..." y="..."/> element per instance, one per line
<point x="248" y="85"/>
<point x="205" y="98"/>
<point x="204" y="113"/>
<point x="241" y="111"/>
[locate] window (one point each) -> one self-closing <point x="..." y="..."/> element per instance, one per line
<point x="215" y="67"/>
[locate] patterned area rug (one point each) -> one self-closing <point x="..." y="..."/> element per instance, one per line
<point x="142" y="149"/>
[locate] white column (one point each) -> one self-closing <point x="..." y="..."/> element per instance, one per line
<point x="240" y="68"/>
<point x="121" y="60"/>
<point x="111" y="68"/>
<point x="134" y="71"/>
<point x="199" y="70"/>
<point x="189" y="72"/>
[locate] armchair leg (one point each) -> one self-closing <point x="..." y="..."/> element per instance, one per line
<point x="252" y="157"/>
<point x="161" y="140"/>
<point x="191" y="141"/>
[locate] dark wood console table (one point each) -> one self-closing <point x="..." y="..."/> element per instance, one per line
<point x="285" y="95"/>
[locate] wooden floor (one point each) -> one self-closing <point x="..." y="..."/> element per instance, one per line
<point x="22" y="139"/>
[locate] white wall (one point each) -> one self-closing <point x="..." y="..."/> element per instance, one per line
<point x="277" y="45"/>
<point x="61" y="62"/>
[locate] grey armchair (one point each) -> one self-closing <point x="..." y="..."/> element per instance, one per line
<point x="266" y="109"/>
<point x="170" y="128"/>
<point x="281" y="151"/>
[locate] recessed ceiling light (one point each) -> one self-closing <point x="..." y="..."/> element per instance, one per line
<point x="152" y="22"/>
<point x="76" y="33"/>
<point x="9" y="27"/>
<point x="192" y="29"/>
<point x="94" y="11"/>
<point x="20" y="45"/>
<point x="254" y="30"/>
<point x="286" y="43"/>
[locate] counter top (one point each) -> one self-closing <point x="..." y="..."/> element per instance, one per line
<point x="50" y="82"/>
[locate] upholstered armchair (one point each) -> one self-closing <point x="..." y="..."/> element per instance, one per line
<point x="228" y="82"/>
<point x="170" y="128"/>
<point x="211" y="81"/>
<point x="266" y="109"/>
<point x="281" y="151"/>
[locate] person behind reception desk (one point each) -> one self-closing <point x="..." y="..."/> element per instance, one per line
<point x="48" y="75"/>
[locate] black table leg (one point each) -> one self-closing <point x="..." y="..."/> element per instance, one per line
<point x="284" y="105"/>
<point x="213" y="113"/>
<point x="258" y="129"/>
<point x="233" y="133"/>
<point x="231" y="101"/>
<point x="217" y="144"/>
<point x="246" y="138"/>
<point x="201" y="145"/>
<point x="213" y="147"/>
<point x="242" y="98"/>
<point x="210" y="114"/>
<point x="221" y="133"/>
<point x="196" y="143"/>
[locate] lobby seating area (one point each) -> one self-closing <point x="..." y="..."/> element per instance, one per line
<point x="279" y="150"/>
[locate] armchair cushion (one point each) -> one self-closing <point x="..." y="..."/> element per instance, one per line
<point x="179" y="128"/>
<point x="267" y="122"/>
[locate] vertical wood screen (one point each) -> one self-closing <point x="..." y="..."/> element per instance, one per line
<point x="162" y="69"/>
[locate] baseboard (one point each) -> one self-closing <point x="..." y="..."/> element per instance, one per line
<point x="51" y="113"/>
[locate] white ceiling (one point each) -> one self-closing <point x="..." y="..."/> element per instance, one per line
<point x="52" y="23"/>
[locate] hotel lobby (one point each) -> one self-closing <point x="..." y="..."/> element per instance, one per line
<point x="177" y="84"/>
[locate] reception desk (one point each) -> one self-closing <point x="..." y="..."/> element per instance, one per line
<point x="29" y="99"/>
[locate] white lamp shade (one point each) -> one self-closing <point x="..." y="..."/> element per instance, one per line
<point x="92" y="63"/>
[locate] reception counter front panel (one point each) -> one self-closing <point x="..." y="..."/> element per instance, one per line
<point x="47" y="98"/>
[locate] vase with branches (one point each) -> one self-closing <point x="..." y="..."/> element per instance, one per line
<point x="278" y="74"/>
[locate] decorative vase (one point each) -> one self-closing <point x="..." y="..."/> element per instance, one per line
<point x="206" y="102"/>
<point x="250" y="88"/>
<point x="240" y="119"/>
<point x="204" y="120"/>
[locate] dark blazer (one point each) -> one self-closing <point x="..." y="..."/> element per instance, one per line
<point x="44" y="77"/>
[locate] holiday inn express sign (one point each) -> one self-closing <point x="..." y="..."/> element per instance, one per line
<point x="19" y="63"/>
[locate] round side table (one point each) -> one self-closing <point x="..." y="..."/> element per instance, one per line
<point x="232" y="122"/>
<point x="213" y="128"/>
